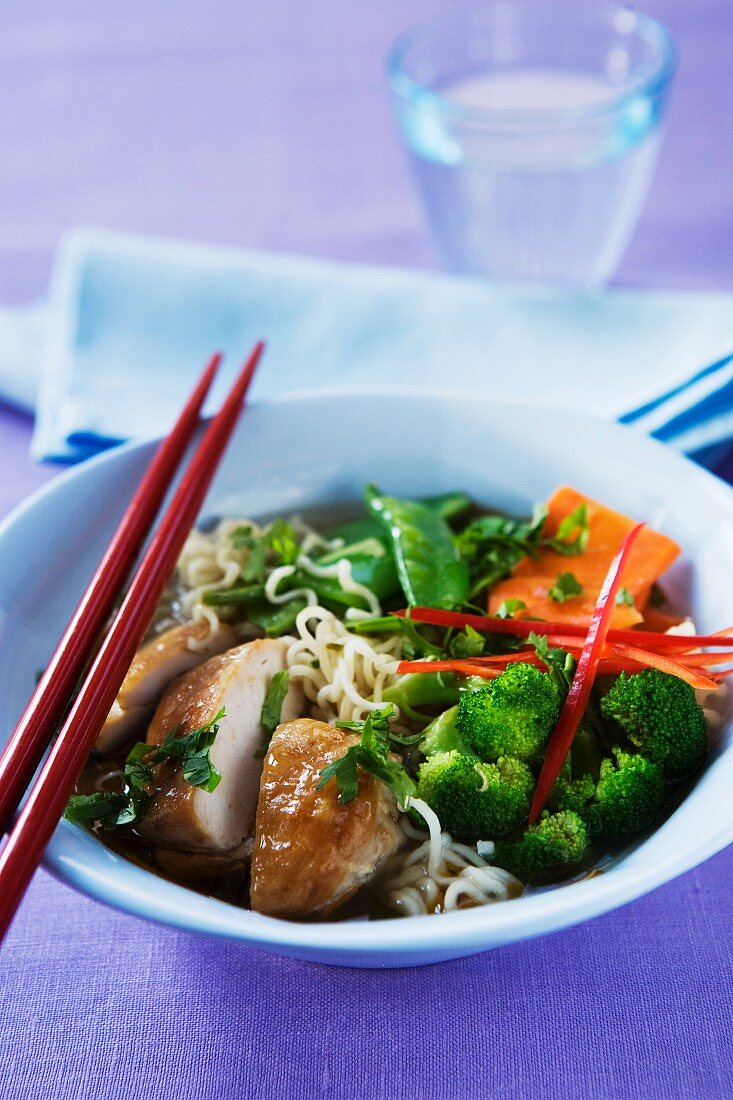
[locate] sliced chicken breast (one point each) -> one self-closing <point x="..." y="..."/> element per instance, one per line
<point x="156" y="665"/>
<point x="187" y="818"/>
<point x="311" y="853"/>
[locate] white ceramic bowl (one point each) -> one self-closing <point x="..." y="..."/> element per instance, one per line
<point x="312" y="449"/>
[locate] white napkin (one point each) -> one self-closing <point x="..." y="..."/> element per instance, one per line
<point x="130" y="322"/>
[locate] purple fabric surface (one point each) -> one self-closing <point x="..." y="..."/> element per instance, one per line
<point x="268" y="124"/>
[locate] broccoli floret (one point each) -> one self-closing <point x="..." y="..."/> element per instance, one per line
<point x="571" y="794"/>
<point x="628" y="798"/>
<point x="552" y="849"/>
<point x="474" y="800"/>
<point x="661" y="716"/>
<point x="513" y="715"/>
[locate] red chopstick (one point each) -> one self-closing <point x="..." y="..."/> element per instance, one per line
<point x="48" y="797"/>
<point x="29" y="740"/>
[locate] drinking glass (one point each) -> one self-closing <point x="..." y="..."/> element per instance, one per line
<point x="533" y="127"/>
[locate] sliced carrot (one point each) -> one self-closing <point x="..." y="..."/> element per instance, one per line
<point x="532" y="578"/>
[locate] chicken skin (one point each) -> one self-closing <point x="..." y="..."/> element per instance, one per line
<point x="311" y="853"/>
<point x="156" y="664"/>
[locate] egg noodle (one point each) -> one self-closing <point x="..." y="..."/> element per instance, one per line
<point x="342" y="674"/>
<point x="440" y="874"/>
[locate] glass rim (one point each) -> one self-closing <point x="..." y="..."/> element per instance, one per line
<point x="422" y="96"/>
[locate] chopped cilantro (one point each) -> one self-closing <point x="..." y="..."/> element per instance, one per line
<point x="241" y="536"/>
<point x="572" y="533"/>
<point x="624" y="598"/>
<point x="492" y="545"/>
<point x="283" y="541"/>
<point x="468" y="643"/>
<point x="272" y="707"/>
<point x="559" y="663"/>
<point x="508" y="608"/>
<point x="128" y="805"/>
<point x="279" y="542"/>
<point x="372" y="754"/>
<point x="565" y="587"/>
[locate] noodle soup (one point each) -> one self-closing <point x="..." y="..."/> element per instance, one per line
<point x="302" y="746"/>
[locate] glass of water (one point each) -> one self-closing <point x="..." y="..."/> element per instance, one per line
<point x="533" y="128"/>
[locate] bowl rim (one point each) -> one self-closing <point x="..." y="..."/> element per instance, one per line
<point x="454" y="933"/>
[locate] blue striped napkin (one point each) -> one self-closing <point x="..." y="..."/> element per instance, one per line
<point x="129" y="322"/>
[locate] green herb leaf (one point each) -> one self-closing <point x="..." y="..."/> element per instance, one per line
<point x="200" y="772"/>
<point x="242" y="537"/>
<point x="572" y="533"/>
<point x="128" y="805"/>
<point x="345" y="771"/>
<point x="274" y="699"/>
<point x="565" y="587"/>
<point x="416" y="644"/>
<point x="102" y="806"/>
<point x="283" y="541"/>
<point x="371" y="754"/>
<point x="468" y="643"/>
<point x="272" y="707"/>
<point x="624" y="598"/>
<point x="492" y="545"/>
<point x="507" y="608"/>
<point x="559" y="663"/>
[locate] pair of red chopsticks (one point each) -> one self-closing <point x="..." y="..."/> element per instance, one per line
<point x="28" y="836"/>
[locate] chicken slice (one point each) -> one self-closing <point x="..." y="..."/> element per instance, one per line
<point x="156" y="664"/>
<point x="311" y="853"/>
<point x="191" y="819"/>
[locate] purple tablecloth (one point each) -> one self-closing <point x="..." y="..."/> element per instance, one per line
<point x="266" y="123"/>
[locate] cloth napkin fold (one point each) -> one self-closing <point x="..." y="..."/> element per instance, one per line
<point x="130" y="321"/>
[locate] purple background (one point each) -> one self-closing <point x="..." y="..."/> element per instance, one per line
<point x="266" y="123"/>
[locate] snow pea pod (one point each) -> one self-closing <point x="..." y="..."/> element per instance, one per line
<point x="243" y="594"/>
<point x="429" y="567"/>
<point x="276" y="619"/>
<point x="447" y="505"/>
<point x="371" y="564"/>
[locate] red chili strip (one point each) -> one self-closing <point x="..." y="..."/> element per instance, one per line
<point x="585" y="673"/>
<point x="467" y="667"/>
<point x="699" y="657"/>
<point x="623" y="657"/>
<point x="661" y="663"/>
<point x="522" y="628"/>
